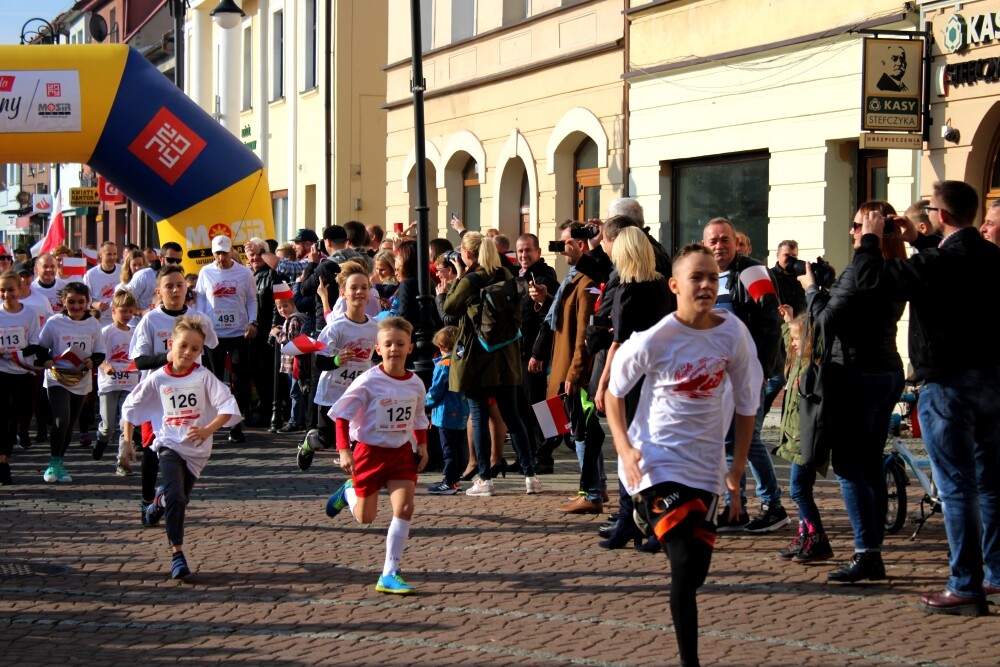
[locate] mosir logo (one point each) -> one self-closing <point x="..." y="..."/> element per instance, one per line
<point x="239" y="231"/>
<point x="167" y="146"/>
<point x="39" y="101"/>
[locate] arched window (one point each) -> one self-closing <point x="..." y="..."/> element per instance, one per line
<point x="588" y="181"/>
<point x="471" y="201"/>
<point x="525" y="204"/>
<point x="992" y="188"/>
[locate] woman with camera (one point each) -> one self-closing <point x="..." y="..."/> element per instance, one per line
<point x="863" y="325"/>
<point x="484" y="374"/>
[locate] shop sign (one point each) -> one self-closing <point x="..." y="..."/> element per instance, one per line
<point x="84" y="197"/>
<point x="41" y="204"/>
<point x="973" y="71"/>
<point x="108" y="192"/>
<point x="961" y="33"/>
<point x="892" y="89"/>
<point x="896" y="140"/>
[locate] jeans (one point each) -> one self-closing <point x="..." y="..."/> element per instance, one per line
<point x="298" y="411"/>
<point x="961" y="425"/>
<point x="771" y="390"/>
<point x="760" y="462"/>
<point x="588" y="438"/>
<point x="111" y="412"/>
<point x="454" y="452"/>
<point x="857" y="459"/>
<point x="479" y="411"/>
<point x="800" y="488"/>
<point x="240" y="375"/>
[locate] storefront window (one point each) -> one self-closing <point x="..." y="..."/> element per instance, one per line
<point x="734" y="187"/>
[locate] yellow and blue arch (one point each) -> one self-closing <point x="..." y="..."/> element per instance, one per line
<point x="110" y="108"/>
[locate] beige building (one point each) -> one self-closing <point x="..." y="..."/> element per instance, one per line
<point x="524" y="112"/>
<point x="266" y="80"/>
<point x="752" y="110"/>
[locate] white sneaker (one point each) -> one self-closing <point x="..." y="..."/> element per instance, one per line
<point x="480" y="488"/>
<point x="533" y="485"/>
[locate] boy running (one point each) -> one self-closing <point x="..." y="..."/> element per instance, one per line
<point x="672" y="456"/>
<point x="116" y="377"/>
<point x="382" y="411"/>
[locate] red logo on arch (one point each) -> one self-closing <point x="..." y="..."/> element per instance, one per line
<point x="167" y="146"/>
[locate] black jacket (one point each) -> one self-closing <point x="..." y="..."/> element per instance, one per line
<point x="762" y="319"/>
<point x="531" y="319"/>
<point x="947" y="289"/>
<point x="267" y="314"/>
<point x="790" y="291"/>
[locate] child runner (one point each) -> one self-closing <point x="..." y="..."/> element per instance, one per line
<point x="295" y="368"/>
<point x="350" y="340"/>
<point x="188" y="404"/>
<point x="450" y="413"/>
<point x="38" y="403"/>
<point x="76" y="346"/>
<point x="150" y="345"/>
<point x="382" y="411"/>
<point x="672" y="456"/>
<point x="115" y="379"/>
<point x="811" y="544"/>
<point x="19" y="331"/>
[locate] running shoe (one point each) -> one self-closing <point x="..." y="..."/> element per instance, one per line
<point x="532" y="485"/>
<point x="338" y="501"/>
<point x="98" y="451"/>
<point x="178" y="566"/>
<point x="768" y="519"/>
<point x="63" y="475"/>
<point x="51" y="474"/>
<point x="480" y="488"/>
<point x="122" y="471"/>
<point x="394" y="584"/>
<point x="304" y="457"/>
<point x="443" y="489"/>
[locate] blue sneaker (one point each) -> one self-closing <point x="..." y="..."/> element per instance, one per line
<point x="179" y="567"/>
<point x="153" y="512"/>
<point x="338" y="500"/>
<point x="394" y="584"/>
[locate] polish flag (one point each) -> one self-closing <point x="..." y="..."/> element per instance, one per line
<point x="69" y="354"/>
<point x="4" y="251"/>
<point x="74" y="266"/>
<point x="131" y="367"/>
<point x="551" y="416"/>
<point x="56" y="233"/>
<point x="90" y="256"/>
<point x="23" y="362"/>
<point x="281" y="291"/>
<point x="757" y="281"/>
<point x="302" y="344"/>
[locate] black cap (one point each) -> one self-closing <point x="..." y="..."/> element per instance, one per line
<point x="335" y="234"/>
<point x="305" y="235"/>
<point x="24" y="267"/>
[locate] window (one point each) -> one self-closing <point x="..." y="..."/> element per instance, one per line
<point x="279" y="207"/>
<point x="525" y="204"/>
<point x="588" y="181"/>
<point x="734" y="187"/>
<point x="463" y="19"/>
<point x="247" y="68"/>
<point x="514" y="11"/>
<point x="426" y="25"/>
<point x="278" y="55"/>
<point x="310" y="52"/>
<point x="471" y="200"/>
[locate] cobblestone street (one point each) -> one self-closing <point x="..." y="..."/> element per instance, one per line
<point x="502" y="581"/>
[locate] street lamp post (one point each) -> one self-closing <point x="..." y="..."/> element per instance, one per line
<point x="424" y="348"/>
<point x="39" y="31"/>
<point x="227" y="15"/>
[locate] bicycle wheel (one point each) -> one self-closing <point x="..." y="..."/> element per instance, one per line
<point x="895" y="482"/>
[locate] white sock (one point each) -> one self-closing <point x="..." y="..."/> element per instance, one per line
<point x="352" y="498"/>
<point x="395" y="540"/>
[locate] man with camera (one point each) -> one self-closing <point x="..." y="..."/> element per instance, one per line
<point x="959" y="405"/>
<point x="790" y="291"/>
<point x="764" y="322"/>
<point x="561" y="340"/>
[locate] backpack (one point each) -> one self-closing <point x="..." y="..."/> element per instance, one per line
<point x="498" y="320"/>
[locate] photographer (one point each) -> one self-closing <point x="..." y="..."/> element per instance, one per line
<point x="864" y="345"/>
<point x="790" y="292"/>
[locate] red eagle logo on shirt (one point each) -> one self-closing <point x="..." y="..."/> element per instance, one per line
<point x="359" y="350"/>
<point x="224" y="288"/>
<point x="699" y="380"/>
<point x="108" y="292"/>
<point x="120" y="355"/>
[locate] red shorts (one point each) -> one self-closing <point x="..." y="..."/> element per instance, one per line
<point x="147" y="434"/>
<point x="375" y="466"/>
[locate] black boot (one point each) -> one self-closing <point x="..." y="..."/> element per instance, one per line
<point x="864" y="565"/>
<point x="624" y="532"/>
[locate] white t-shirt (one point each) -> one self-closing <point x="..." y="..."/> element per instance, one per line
<point x="686" y="403"/>
<point x="17" y="331"/>
<point x="61" y="332"/>
<point x="155" y="328"/>
<point x="342" y="335"/>
<point x="143" y="286"/>
<point x="230" y="298"/>
<point x="102" y="287"/>
<point x="173" y="404"/>
<point x="372" y="308"/>
<point x="116" y="344"/>
<point x="38" y="303"/>
<point x="51" y="293"/>
<point x="383" y="411"/>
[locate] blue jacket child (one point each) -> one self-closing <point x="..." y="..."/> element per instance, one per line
<point x="449" y="409"/>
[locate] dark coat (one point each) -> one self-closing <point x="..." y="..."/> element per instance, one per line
<point x="531" y="317"/>
<point x="762" y="318"/>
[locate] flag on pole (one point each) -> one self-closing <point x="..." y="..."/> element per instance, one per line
<point x="757" y="281"/>
<point x="302" y="344"/>
<point x="74" y="266"/>
<point x="551" y="416"/>
<point x="90" y="256"/>
<point x="70" y="355"/>
<point x="281" y="291"/>
<point x="56" y="234"/>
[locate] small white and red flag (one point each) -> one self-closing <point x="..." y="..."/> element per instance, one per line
<point x="551" y="416"/>
<point x="70" y="355"/>
<point x="757" y="281"/>
<point x="90" y="256"/>
<point x="74" y="266"/>
<point x="281" y="291"/>
<point x="131" y="367"/>
<point x="302" y="344"/>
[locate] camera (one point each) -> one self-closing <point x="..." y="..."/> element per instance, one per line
<point x="453" y="255"/>
<point x="822" y="272"/>
<point x="585" y="232"/>
<point x="556" y="246"/>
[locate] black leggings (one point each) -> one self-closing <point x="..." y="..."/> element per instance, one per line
<point x="149" y="469"/>
<point x="177" y="484"/>
<point x="238" y="349"/>
<point x="66" y="408"/>
<point x="15" y="396"/>
<point x="681" y="517"/>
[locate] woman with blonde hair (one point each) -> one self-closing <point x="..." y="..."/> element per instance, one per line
<point x="482" y="373"/>
<point x="134" y="262"/>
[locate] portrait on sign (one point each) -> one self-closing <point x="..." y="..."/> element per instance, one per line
<point x="892" y="83"/>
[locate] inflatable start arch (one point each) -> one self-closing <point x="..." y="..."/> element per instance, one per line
<point x="110" y="108"/>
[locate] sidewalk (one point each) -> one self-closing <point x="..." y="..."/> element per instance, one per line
<point x="502" y="581"/>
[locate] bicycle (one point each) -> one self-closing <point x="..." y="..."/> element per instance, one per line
<point x="895" y="467"/>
